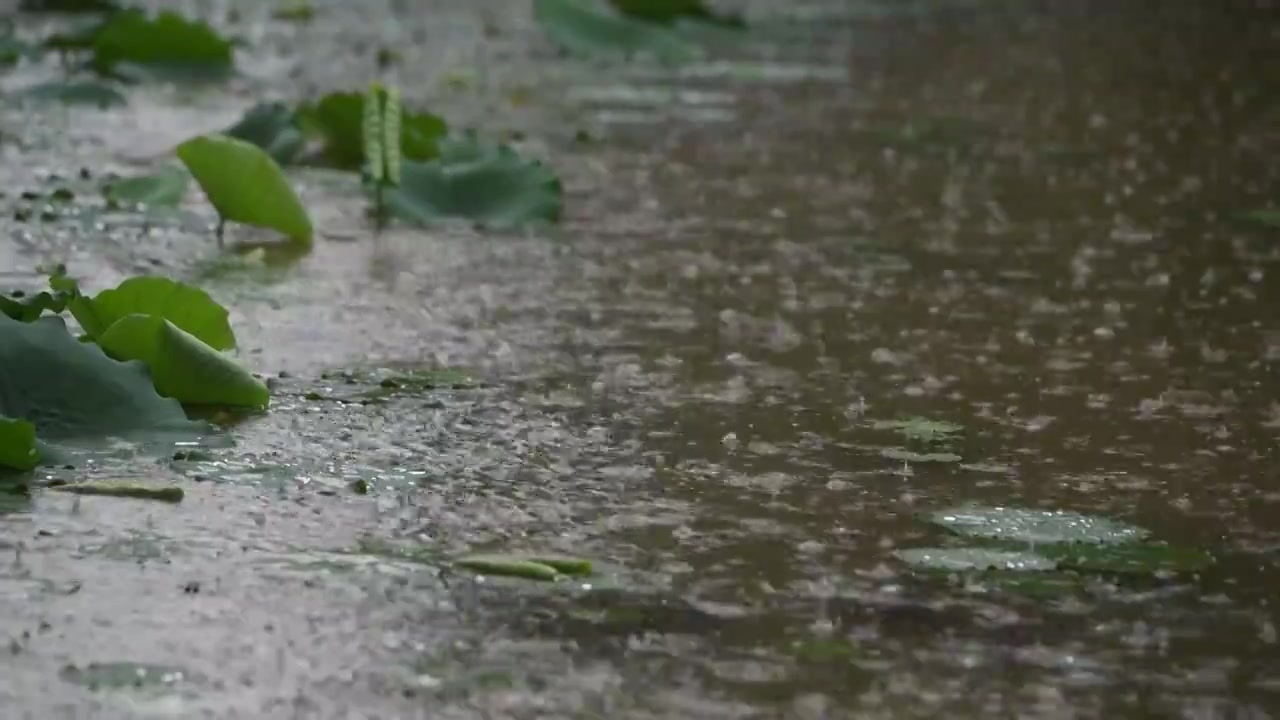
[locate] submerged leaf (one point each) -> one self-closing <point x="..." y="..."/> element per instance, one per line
<point x="245" y="185"/>
<point x="17" y="444"/>
<point x="955" y="559"/>
<point x="584" y="30"/>
<point x="183" y="367"/>
<point x="167" y="45"/>
<point x="1041" y="527"/>
<point x="1135" y="558"/>
<point x="187" y="307"/>
<point x="1265" y="218"/>
<point x="70" y="390"/>
<point x="164" y="188"/>
<point x="72" y="92"/>
<point x="121" y="675"/>
<point x="488" y="184"/>
<point x="13" y="49"/>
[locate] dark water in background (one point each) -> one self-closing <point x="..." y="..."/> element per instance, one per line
<point x="1014" y="216"/>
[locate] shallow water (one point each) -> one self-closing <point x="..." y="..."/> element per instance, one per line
<point x="1013" y="216"/>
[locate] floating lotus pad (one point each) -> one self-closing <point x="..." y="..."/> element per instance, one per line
<point x="1040" y="527"/>
<point x="956" y="559"/>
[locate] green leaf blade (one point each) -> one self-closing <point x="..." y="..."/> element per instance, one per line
<point x="167" y="45"/>
<point x="182" y="367"/>
<point x="69" y="390"/>
<point x="30" y="308"/>
<point x="18" y="444"/>
<point x="509" y="566"/>
<point x="245" y="185"/>
<point x="189" y="308"/>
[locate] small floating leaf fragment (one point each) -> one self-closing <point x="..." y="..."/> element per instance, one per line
<point x="298" y="11"/>
<point x="563" y="564"/>
<point x="822" y="650"/>
<point x="921" y="429"/>
<point x="508" y="565"/>
<point x="122" y="675"/>
<point x="956" y="559"/>
<point x="123" y="488"/>
<point x="909" y="456"/>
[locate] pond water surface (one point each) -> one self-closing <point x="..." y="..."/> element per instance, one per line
<point x="1018" y="217"/>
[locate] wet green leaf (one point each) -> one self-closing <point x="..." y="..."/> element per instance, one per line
<point x="164" y="188"/>
<point x="584" y="29"/>
<point x="124" y="489"/>
<point x="508" y="565"/>
<point x="17" y="444"/>
<point x="183" y="367"/>
<point x="30" y="307"/>
<point x="132" y="44"/>
<point x="189" y="308"/>
<point x="70" y="6"/>
<point x="909" y="456"/>
<point x="920" y="429"/>
<point x="245" y="185"/>
<point x="272" y="127"/>
<point x="562" y="564"/>
<point x="73" y="92"/>
<point x="956" y="559"/>
<point x="338" y="118"/>
<point x="668" y="12"/>
<point x="1041" y="527"/>
<point x="487" y="184"/>
<point x="1134" y="558"/>
<point x="123" y="675"/>
<point x="71" y="391"/>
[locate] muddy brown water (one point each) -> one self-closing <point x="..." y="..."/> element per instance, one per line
<point x="1014" y="216"/>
